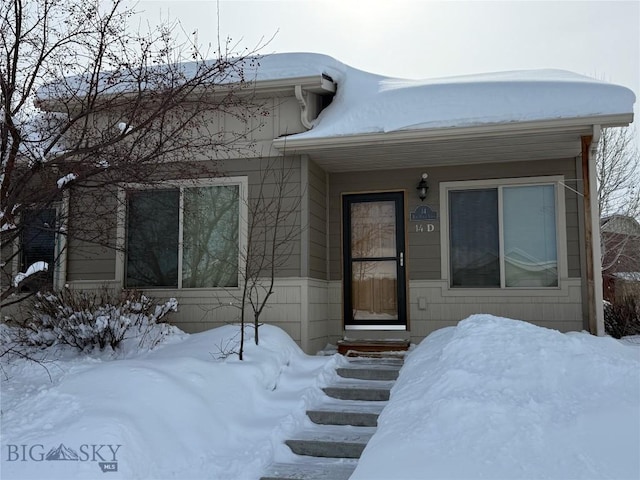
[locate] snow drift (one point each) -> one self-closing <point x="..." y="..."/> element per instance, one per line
<point x="368" y="103"/>
<point x="490" y="398"/>
<point x="175" y="412"/>
<point x="504" y="399"/>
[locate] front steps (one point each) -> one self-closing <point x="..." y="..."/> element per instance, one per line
<point x="360" y="391"/>
<point x="342" y="424"/>
<point x="358" y="414"/>
<point x="368" y="372"/>
<point x="332" y="442"/>
<point x="336" y="470"/>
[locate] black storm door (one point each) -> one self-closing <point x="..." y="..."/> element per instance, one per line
<point x="373" y="261"/>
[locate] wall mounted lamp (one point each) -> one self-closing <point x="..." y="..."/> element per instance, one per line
<point x="423" y="187"/>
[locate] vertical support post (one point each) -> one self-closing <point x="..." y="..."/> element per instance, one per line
<point x="593" y="272"/>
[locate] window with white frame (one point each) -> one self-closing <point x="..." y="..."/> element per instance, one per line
<point x="183" y="236"/>
<point x="503" y="236"/>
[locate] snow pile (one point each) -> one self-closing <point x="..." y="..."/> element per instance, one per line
<point x="281" y="66"/>
<point x="37" y="267"/>
<point x="175" y="412"/>
<point x="490" y="398"/>
<point x="503" y="399"/>
<point x="68" y="178"/>
<point x="367" y="103"/>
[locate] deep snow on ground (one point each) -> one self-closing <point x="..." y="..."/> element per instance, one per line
<point x="177" y="411"/>
<point x="502" y="399"/>
<point x="490" y="398"/>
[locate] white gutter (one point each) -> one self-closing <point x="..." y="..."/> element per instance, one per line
<point x="582" y="125"/>
<point x="319" y="84"/>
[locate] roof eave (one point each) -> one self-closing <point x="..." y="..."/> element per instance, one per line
<point x="319" y="84"/>
<point x="581" y="125"/>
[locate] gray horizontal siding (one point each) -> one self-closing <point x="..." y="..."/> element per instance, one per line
<point x="91" y="241"/>
<point x="90" y="260"/>
<point x="263" y="175"/>
<point x="423" y="255"/>
<point x="317" y="222"/>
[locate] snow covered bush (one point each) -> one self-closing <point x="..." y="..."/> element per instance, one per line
<point x="622" y="318"/>
<point x="87" y="320"/>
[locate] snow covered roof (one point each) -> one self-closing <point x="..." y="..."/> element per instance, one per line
<point x="368" y="103"/>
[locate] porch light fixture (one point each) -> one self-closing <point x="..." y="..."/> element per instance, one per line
<point x="423" y="187"/>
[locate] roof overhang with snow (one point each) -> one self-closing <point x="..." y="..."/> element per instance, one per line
<point x="273" y="75"/>
<point x="497" y="143"/>
<point x="375" y="122"/>
<point x="507" y="116"/>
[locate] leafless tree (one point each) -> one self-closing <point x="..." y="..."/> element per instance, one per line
<point x="618" y="172"/>
<point x="618" y="175"/>
<point x="273" y="226"/>
<point x="87" y="104"/>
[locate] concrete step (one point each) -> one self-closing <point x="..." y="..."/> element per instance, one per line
<point x="362" y="361"/>
<point x="369" y="372"/>
<point x="330" y="470"/>
<point x="358" y="415"/>
<point x="364" y="391"/>
<point x="334" y="442"/>
<point x="344" y="423"/>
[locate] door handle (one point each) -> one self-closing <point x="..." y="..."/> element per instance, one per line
<point x="402" y="259"/>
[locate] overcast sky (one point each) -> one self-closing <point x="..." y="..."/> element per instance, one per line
<point x="424" y="39"/>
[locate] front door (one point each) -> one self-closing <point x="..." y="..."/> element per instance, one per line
<point x="374" y="265"/>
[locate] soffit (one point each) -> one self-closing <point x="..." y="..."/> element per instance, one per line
<point x="495" y="149"/>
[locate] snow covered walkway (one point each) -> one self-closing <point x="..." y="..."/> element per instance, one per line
<point x="341" y="425"/>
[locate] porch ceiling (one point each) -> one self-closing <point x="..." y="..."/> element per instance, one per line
<point x="381" y="154"/>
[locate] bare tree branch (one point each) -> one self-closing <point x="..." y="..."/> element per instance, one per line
<point x="618" y="175"/>
<point x="273" y="227"/>
<point x="87" y="104"/>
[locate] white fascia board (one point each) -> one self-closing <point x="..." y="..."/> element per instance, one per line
<point x="315" y="84"/>
<point x="582" y="126"/>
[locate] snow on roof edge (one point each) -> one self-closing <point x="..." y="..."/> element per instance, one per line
<point x="371" y="103"/>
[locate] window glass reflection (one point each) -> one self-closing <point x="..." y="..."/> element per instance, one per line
<point x="373" y="230"/>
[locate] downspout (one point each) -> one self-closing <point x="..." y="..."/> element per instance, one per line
<point x="304" y="107"/>
<point x="592" y="233"/>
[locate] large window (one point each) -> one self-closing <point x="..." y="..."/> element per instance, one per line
<point x="504" y="236"/>
<point x="183" y="237"/>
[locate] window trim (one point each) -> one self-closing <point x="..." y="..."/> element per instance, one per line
<point x="561" y="228"/>
<point x="121" y="229"/>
